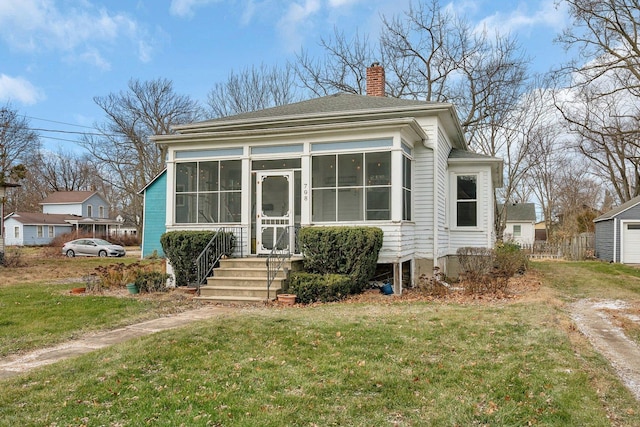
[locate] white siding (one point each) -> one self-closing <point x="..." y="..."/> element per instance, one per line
<point x="444" y="148"/>
<point x="423" y="200"/>
<point x="9" y="230"/>
<point x="66" y="209"/>
<point x="527" y="232"/>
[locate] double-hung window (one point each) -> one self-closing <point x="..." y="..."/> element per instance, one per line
<point x="466" y="201"/>
<point x="208" y="192"/>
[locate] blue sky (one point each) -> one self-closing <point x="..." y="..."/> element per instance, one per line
<point x="55" y="56"/>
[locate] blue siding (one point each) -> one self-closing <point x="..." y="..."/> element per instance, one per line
<point x="604" y="240"/>
<point x="155" y="213"/>
<point x="605" y="233"/>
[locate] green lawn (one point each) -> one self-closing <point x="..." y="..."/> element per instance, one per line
<point x="404" y="364"/>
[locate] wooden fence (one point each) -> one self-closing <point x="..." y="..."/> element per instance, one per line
<point x="579" y="247"/>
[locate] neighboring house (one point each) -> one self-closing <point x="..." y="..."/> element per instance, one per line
<point x="155" y="214"/>
<point x="520" y="222"/>
<point x="32" y="229"/>
<point x="80" y="212"/>
<point x="400" y="165"/>
<point x="617" y="236"/>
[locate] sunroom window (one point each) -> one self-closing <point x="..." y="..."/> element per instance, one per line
<point x="208" y="192"/>
<point x="466" y="201"/>
<point x="351" y="187"/>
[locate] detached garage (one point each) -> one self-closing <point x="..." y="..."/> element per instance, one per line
<point x="618" y="233"/>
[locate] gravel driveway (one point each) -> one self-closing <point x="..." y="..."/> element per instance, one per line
<point x="593" y="321"/>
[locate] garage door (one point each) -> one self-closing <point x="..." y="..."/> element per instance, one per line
<point x="631" y="243"/>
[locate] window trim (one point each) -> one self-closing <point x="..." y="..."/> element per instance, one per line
<point x="454" y="201"/>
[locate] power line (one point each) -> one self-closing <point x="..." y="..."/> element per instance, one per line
<point x="55" y="121"/>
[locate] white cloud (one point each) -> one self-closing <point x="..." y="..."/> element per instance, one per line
<point x="342" y="3"/>
<point x="524" y="19"/>
<point x="19" y="89"/>
<point x="185" y="8"/>
<point x="297" y="17"/>
<point x="80" y="31"/>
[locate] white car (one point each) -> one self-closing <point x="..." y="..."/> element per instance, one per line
<point x="92" y="247"/>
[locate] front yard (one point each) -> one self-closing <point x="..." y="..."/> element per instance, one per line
<point x="384" y="361"/>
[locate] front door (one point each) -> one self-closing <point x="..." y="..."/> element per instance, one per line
<point x="275" y="216"/>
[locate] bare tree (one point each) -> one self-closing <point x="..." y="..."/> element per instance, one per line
<point x="18" y="143"/>
<point x="129" y="160"/>
<point x="253" y="89"/>
<point x="344" y="67"/>
<point x="602" y="104"/>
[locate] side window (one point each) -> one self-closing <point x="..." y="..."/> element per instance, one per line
<point x="89" y="211"/>
<point x="517" y="230"/>
<point x="466" y="201"/>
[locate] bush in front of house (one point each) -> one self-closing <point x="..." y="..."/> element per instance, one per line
<point x="314" y="287"/>
<point x="485" y="270"/>
<point x="152" y="281"/>
<point x="351" y="251"/>
<point x="182" y="248"/>
<point x="510" y="259"/>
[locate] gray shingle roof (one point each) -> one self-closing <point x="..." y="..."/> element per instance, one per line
<point x="615" y="211"/>
<point x="463" y="154"/>
<point x="520" y="211"/>
<point x="327" y="104"/>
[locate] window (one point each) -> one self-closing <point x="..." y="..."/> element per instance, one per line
<point x="51" y="231"/>
<point x="16" y="232"/>
<point x="208" y="192"/>
<point x="406" y="188"/>
<point x="101" y="212"/>
<point x="351" y="187"/>
<point x="466" y="201"/>
<point x="89" y="211"/>
<point x="39" y="230"/>
<point x="517" y="230"/>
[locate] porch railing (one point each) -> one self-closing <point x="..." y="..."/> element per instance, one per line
<point x="277" y="257"/>
<point x="223" y="243"/>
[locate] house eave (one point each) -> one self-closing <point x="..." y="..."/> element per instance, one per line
<point x="257" y="133"/>
<point x="495" y="163"/>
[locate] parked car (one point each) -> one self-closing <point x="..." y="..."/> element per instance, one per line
<point x="92" y="247"/>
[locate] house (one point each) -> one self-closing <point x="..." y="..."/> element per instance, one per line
<point x="155" y="214"/>
<point x="33" y="229"/>
<point x="617" y="233"/>
<point x="520" y="222"/>
<point x="401" y="165"/>
<point x="82" y="212"/>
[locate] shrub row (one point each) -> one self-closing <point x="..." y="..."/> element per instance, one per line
<point x="486" y="270"/>
<point x="338" y="261"/>
<point x="312" y="287"/>
<point x="182" y="248"/>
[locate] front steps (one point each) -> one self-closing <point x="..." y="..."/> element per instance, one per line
<point x="244" y="280"/>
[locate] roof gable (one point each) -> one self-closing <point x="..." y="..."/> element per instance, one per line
<point x="69" y="197"/>
<point x="618" y="210"/>
<point x="520" y="212"/>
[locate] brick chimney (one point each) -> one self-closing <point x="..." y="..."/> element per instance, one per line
<point x="375" y="80"/>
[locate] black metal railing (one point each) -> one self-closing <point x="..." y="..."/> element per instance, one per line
<point x="223" y="243"/>
<point x="279" y="254"/>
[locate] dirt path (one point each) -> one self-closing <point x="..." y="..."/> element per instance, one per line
<point x="16" y="364"/>
<point x="593" y="321"/>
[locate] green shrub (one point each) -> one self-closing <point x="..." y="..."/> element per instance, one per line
<point x="352" y="251"/>
<point x="510" y="259"/>
<point x="182" y="248"/>
<point x="313" y="287"/>
<point x="152" y="281"/>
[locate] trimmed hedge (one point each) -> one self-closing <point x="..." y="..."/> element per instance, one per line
<point x="182" y="248"/>
<point x="351" y="251"/>
<point x="312" y="287"/>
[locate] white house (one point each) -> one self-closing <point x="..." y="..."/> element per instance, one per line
<point x="400" y="165"/>
<point x="520" y="222"/>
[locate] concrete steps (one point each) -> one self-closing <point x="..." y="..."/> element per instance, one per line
<point x="244" y="281"/>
